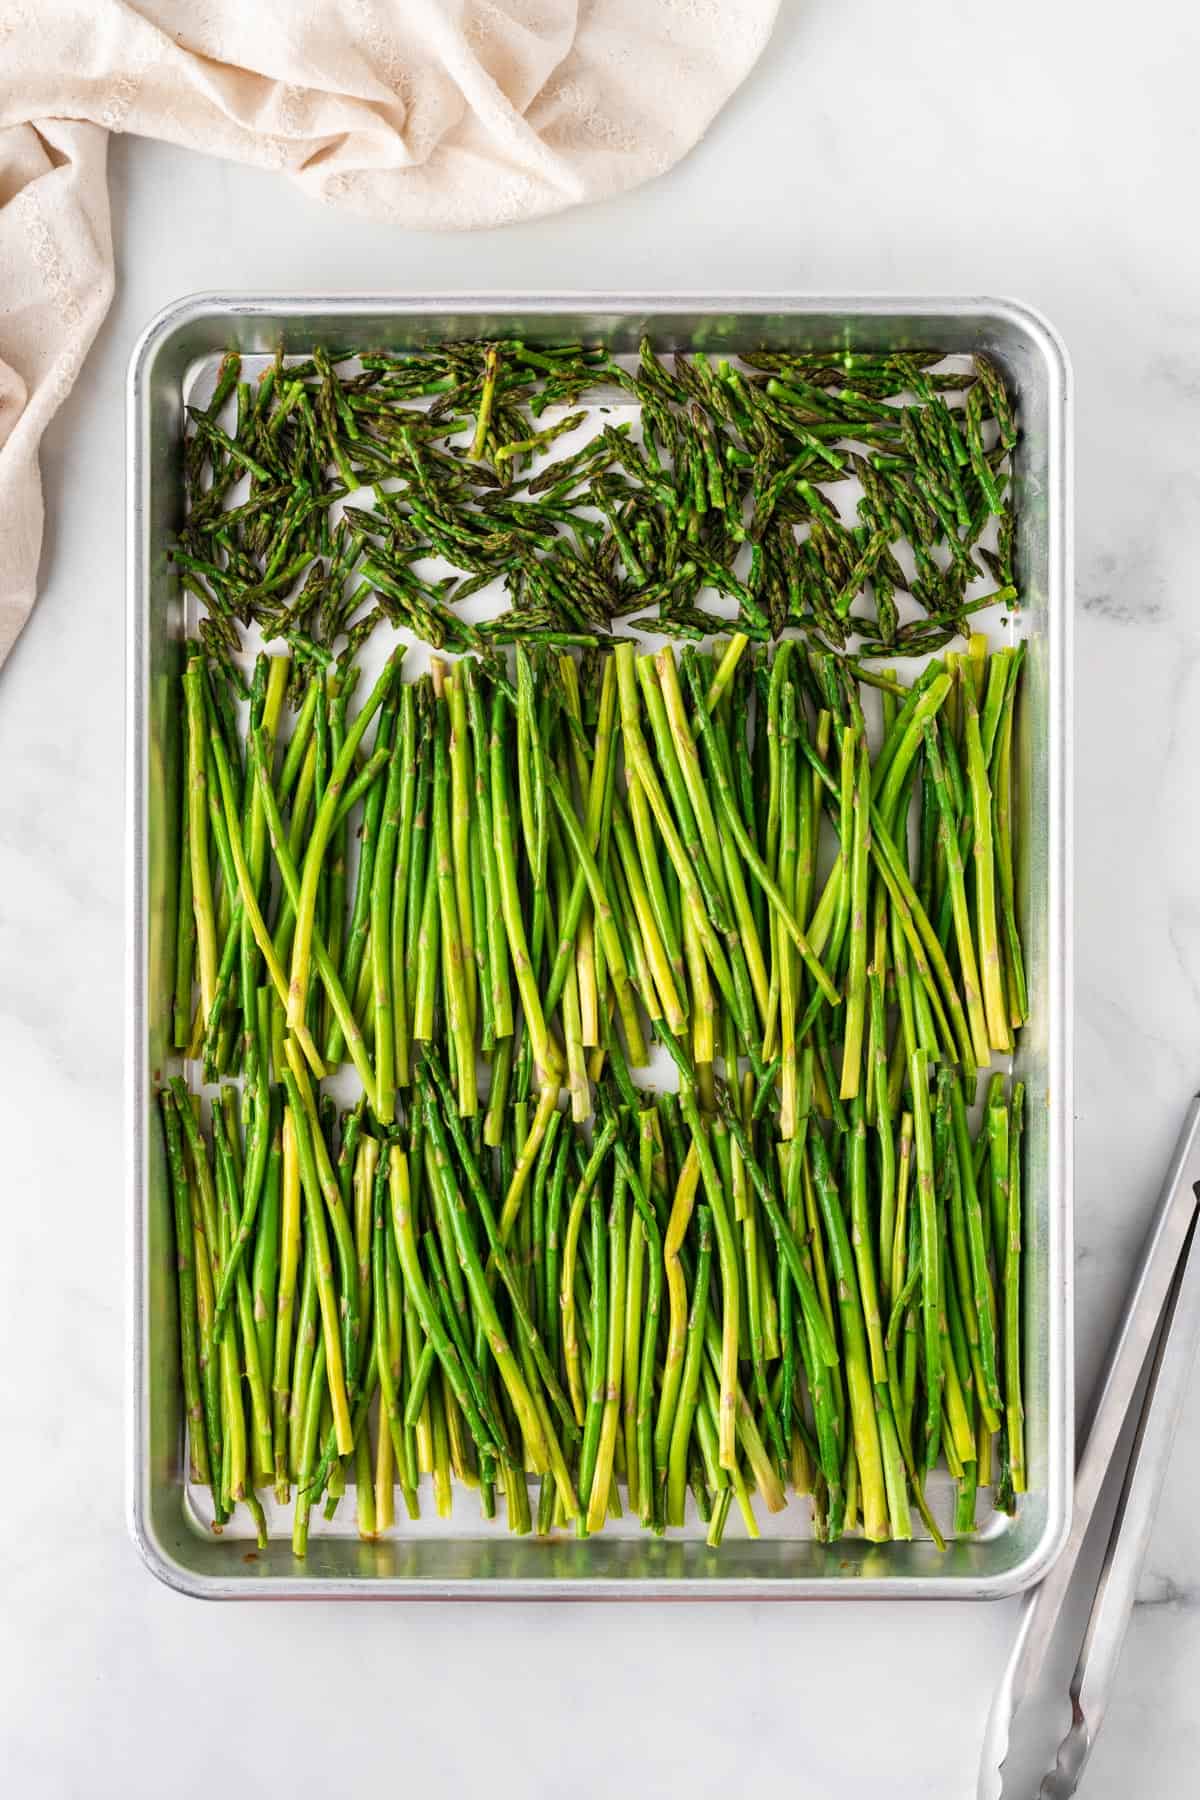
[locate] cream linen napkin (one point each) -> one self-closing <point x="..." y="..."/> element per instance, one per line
<point x="424" y="113"/>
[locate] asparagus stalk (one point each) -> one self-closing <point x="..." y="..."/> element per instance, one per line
<point x="297" y="993"/>
<point x="455" y="954"/>
<point x="985" y="875"/>
<point x="930" y="1239"/>
<point x="681" y="1429"/>
<point x="334" y="1366"/>
<point x="195" y="1342"/>
<point x="677" y="1225"/>
<point x="1014" y="1408"/>
<point x="198" y="830"/>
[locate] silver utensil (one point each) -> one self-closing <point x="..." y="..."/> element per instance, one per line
<point x="1161" y="1327"/>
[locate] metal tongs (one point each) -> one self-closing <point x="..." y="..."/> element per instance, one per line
<point x="1162" y="1323"/>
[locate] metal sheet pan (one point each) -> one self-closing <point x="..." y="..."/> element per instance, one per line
<point x="454" y="1559"/>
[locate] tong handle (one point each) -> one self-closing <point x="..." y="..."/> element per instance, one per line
<point x="1130" y="1536"/>
<point x="1157" y="1271"/>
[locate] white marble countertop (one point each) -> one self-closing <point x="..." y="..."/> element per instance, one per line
<point x="938" y="148"/>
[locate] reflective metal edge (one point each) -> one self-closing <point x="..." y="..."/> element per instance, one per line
<point x="857" y="1571"/>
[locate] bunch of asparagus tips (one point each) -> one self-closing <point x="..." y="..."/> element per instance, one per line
<point x="509" y="1258"/>
<point x="317" y="497"/>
